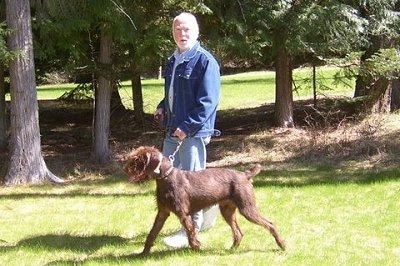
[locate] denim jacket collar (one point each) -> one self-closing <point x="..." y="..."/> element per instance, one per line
<point x="186" y="55"/>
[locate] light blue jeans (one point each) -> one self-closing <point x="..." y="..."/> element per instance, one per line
<point x="191" y="156"/>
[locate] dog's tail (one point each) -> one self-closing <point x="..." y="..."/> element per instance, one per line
<point x="253" y="171"/>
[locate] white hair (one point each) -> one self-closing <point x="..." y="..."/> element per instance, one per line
<point x="189" y="18"/>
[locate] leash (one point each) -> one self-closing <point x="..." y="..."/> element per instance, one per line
<point x="171" y="159"/>
<point x="172" y="156"/>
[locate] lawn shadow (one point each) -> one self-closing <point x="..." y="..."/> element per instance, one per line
<point x="324" y="176"/>
<point x="118" y="185"/>
<point x="72" y="194"/>
<point x="160" y="255"/>
<point x="58" y="242"/>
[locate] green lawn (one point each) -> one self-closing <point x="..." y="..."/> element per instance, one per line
<point x="328" y="217"/>
<point x="252" y="88"/>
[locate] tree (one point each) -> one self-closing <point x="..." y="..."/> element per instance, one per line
<point x="374" y="79"/>
<point x="139" y="44"/>
<point x="5" y="57"/>
<point x="3" y="124"/>
<point x="283" y="88"/>
<point x="141" y="51"/>
<point x="280" y="32"/>
<point x="26" y="161"/>
<point x="110" y="40"/>
<point x="263" y="30"/>
<point x="101" y="120"/>
<point x="87" y="39"/>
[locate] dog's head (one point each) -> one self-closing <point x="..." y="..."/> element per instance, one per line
<point x="142" y="163"/>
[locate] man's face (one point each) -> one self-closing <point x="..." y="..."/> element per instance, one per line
<point x="185" y="33"/>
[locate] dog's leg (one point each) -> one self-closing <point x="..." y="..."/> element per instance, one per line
<point x="188" y="223"/>
<point x="155" y="230"/>
<point x="253" y="215"/>
<point x="228" y="212"/>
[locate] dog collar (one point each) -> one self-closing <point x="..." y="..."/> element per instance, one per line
<point x="166" y="174"/>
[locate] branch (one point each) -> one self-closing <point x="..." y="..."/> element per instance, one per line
<point x="123" y="12"/>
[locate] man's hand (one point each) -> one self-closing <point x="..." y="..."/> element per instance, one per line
<point x="180" y="134"/>
<point x="159" y="115"/>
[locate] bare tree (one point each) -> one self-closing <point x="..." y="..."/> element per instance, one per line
<point x="26" y="163"/>
<point x="3" y="125"/>
<point x="101" y="118"/>
<point x="283" y="89"/>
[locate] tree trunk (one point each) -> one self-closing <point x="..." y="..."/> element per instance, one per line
<point x="101" y="119"/>
<point x="362" y="83"/>
<point x="283" y="89"/>
<point x="116" y="102"/>
<point x="377" y="89"/>
<point x="26" y="163"/>
<point x="3" y="118"/>
<point x="395" y="97"/>
<point x="380" y="96"/>
<point x="137" y="95"/>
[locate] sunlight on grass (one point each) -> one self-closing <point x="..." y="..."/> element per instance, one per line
<point x="325" y="221"/>
<point x="252" y="88"/>
<point x="48" y="92"/>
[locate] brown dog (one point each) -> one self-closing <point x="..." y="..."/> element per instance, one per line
<point x="186" y="192"/>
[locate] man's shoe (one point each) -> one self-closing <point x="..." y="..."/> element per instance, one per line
<point x="209" y="217"/>
<point x="177" y="240"/>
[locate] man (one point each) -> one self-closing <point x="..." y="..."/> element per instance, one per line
<point x="188" y="110"/>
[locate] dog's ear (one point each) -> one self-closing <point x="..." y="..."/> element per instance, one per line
<point x="154" y="161"/>
<point x="142" y="163"/>
<point x="136" y="164"/>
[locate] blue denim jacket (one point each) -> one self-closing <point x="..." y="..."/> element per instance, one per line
<point x="196" y="93"/>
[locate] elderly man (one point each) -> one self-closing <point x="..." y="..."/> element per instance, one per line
<point x="188" y="109"/>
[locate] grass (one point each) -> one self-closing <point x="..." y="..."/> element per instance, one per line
<point x="328" y="217"/>
<point x="252" y="88"/>
<point x="49" y="92"/>
<point x="333" y="211"/>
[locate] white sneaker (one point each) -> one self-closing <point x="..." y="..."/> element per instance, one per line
<point x="177" y="240"/>
<point x="209" y="217"/>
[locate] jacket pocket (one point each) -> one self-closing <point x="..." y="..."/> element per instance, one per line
<point x="189" y="73"/>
